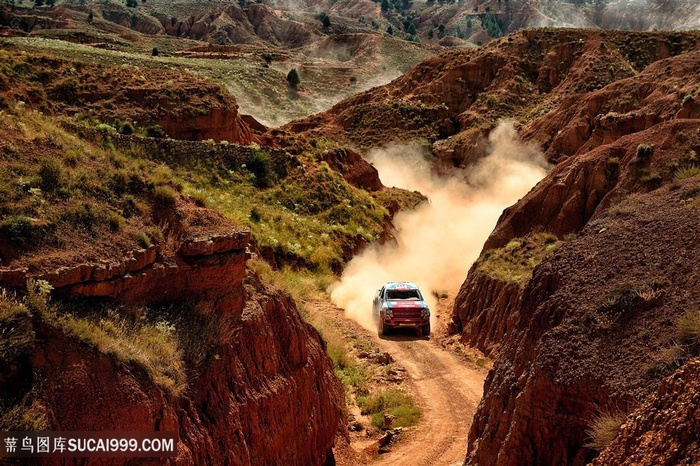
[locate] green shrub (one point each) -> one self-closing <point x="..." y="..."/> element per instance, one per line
<point x="155" y="131"/>
<point x="260" y="165"/>
<point x="126" y="128"/>
<point x="18" y="228"/>
<point x="644" y="151"/>
<point x="142" y="239"/>
<point x="115" y="222"/>
<point x="393" y="402"/>
<point x="293" y="79"/>
<point x="105" y="128"/>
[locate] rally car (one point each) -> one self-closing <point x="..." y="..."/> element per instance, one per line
<point x="400" y="304"/>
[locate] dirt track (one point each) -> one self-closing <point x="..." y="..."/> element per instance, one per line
<point x="447" y="388"/>
<point x="448" y="391"/>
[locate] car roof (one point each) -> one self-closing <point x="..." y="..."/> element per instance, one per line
<point x="400" y="286"/>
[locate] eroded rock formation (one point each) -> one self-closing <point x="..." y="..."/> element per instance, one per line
<point x="263" y="391"/>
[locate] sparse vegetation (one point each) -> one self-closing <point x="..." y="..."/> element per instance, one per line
<point x="514" y="262"/>
<point x="24" y="416"/>
<point x="151" y="344"/>
<point x="394" y="403"/>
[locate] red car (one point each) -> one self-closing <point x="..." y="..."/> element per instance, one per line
<point x="401" y="304"/>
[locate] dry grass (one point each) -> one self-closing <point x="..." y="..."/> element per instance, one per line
<point x="604" y="428"/>
<point x="688" y="326"/>
<point x="151" y="344"/>
<point x="24" y="417"/>
<point x="154" y="346"/>
<point x="16" y="333"/>
<point x="686" y="172"/>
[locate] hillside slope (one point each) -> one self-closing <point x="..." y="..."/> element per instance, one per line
<point x="128" y="301"/>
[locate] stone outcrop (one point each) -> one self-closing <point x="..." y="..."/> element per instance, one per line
<point x="665" y="429"/>
<point x="482" y="311"/>
<point x="180" y="151"/>
<point x="354" y="168"/>
<point x="210" y="267"/>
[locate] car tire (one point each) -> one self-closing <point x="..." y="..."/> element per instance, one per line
<point x="381" y="328"/>
<point x="425" y="330"/>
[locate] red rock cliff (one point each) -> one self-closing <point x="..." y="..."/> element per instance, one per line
<point x="264" y="392"/>
<point x="269" y="397"/>
<point x="590" y="330"/>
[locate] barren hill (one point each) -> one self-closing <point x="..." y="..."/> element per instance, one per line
<point x="536" y="77"/>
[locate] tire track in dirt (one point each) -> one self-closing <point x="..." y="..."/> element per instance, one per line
<point x="448" y="392"/>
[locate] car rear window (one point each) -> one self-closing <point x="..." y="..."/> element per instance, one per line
<point x="402" y="294"/>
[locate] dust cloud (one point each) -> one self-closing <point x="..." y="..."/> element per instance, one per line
<point x="438" y="241"/>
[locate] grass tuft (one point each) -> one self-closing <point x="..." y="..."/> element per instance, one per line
<point x="604" y="428"/>
<point x="688" y="326"/>
<point x="687" y="172"/>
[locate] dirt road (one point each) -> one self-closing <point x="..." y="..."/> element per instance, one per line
<point x="446" y="387"/>
<point x="448" y="391"/>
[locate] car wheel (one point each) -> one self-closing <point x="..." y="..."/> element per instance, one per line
<point x="425" y="330"/>
<point x="381" y="328"/>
